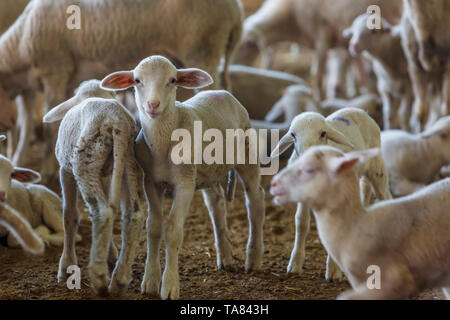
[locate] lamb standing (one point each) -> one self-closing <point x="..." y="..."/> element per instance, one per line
<point x="155" y="81"/>
<point x="348" y="129"/>
<point x="406" y="238"/>
<point x="405" y="155"/>
<point x="383" y="47"/>
<point x="35" y="203"/>
<point x="95" y="150"/>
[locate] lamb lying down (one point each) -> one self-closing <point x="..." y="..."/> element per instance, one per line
<point x="406" y="239"/>
<point x="36" y="204"/>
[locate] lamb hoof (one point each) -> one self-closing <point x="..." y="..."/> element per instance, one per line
<point x="171" y="286"/>
<point x="151" y="287"/>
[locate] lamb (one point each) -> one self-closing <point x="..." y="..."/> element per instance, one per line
<point x="95" y="150"/>
<point x="405" y="239"/>
<point x="258" y="89"/>
<point x="311" y="23"/>
<point x="19" y="227"/>
<point x="155" y="81"/>
<point x="39" y="51"/>
<point x="383" y="47"/>
<point x="299" y="98"/>
<point x="348" y="129"/>
<point x="36" y="204"/>
<point x="426" y="45"/>
<point x="405" y="155"/>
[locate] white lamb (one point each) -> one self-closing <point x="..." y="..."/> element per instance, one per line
<point x="415" y="160"/>
<point x="37" y="204"/>
<point x="95" y="150"/>
<point x="347" y="129"/>
<point x="406" y="241"/>
<point x="156" y="81"/>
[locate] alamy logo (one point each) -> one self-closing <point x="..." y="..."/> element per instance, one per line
<point x="374" y="21"/>
<point x="374" y="280"/>
<point x="236" y="147"/>
<point x="74" y="280"/>
<point x="74" y="20"/>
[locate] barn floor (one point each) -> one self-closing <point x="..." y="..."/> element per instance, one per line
<point x="29" y="277"/>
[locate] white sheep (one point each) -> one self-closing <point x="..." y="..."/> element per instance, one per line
<point x="21" y="229"/>
<point x="404" y="241"/>
<point x="155" y="81"/>
<point x="383" y="47"/>
<point x="348" y="129"/>
<point x="37" y="204"/>
<point x="42" y="49"/>
<point x="426" y="44"/>
<point x="415" y="160"/>
<point x="311" y="23"/>
<point x="95" y="150"/>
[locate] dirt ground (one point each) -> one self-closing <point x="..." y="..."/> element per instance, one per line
<point x="24" y="276"/>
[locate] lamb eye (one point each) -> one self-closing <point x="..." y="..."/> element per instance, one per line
<point x="293" y="135"/>
<point x="137" y="81"/>
<point x="323" y="134"/>
<point x="173" y="80"/>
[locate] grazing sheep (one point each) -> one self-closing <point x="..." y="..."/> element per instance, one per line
<point x="21" y="229"/>
<point x="427" y="46"/>
<point x="164" y="120"/>
<point x="347" y="129"/>
<point x="35" y="203"/>
<point x="415" y="160"/>
<point x="95" y="150"/>
<point x="39" y="51"/>
<point x="383" y="47"/>
<point x="258" y="89"/>
<point x="405" y="239"/>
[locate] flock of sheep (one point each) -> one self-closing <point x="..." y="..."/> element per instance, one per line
<point x="367" y="124"/>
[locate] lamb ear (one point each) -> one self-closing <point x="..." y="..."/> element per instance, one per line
<point x="193" y="78"/>
<point x="2" y="138"/>
<point x="118" y="81"/>
<point x="58" y="112"/>
<point x="337" y="137"/>
<point x="351" y="159"/>
<point x="26" y="175"/>
<point x="283" y="145"/>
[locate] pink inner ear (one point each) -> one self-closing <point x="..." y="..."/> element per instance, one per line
<point x="118" y="82"/>
<point x="346" y="165"/>
<point x="192" y="79"/>
<point x="23" y="176"/>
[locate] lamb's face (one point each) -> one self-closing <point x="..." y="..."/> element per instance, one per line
<point x="307" y="179"/>
<point x="156" y="83"/>
<point x="8" y="111"/>
<point x="308" y="129"/>
<point x="9" y="172"/>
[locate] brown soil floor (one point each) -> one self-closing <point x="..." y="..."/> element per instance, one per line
<point x="34" y="277"/>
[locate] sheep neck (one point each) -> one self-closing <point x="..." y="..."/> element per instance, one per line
<point x="158" y="131"/>
<point x="430" y="149"/>
<point x="333" y="217"/>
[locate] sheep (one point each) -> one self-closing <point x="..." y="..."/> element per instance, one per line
<point x="258" y="89"/>
<point x="21" y="229"/>
<point x="426" y="45"/>
<point x="312" y="23"/>
<point x="299" y="98"/>
<point x="383" y="47"/>
<point x="40" y="51"/>
<point x="37" y="204"/>
<point x="405" y="155"/>
<point x="405" y="239"/>
<point x="347" y="129"/>
<point x="95" y="151"/>
<point x="337" y="67"/>
<point x="155" y="80"/>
